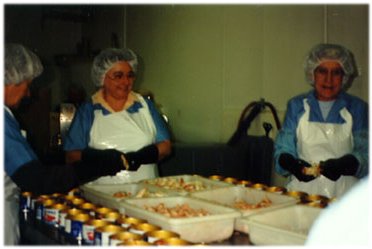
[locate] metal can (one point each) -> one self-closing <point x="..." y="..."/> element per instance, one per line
<point x="67" y="200"/>
<point x="51" y="214"/>
<point x="172" y="242"/>
<point x="88" y="207"/>
<point x="40" y="207"/>
<point x="65" y="218"/>
<point x="160" y="234"/>
<point x="126" y="222"/>
<point x="259" y="186"/>
<point x="299" y="195"/>
<point x="244" y="183"/>
<point x="143" y="228"/>
<point x="275" y="189"/>
<point x="121" y="237"/>
<point x="89" y="227"/>
<point x="135" y="243"/>
<point x="216" y="177"/>
<point x="230" y="180"/>
<point x="77" y="222"/>
<point x="112" y="216"/>
<point x="77" y="201"/>
<point x="102" y="234"/>
<point x="102" y="211"/>
<point x="25" y="201"/>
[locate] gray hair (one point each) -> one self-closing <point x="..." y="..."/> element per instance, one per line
<point x="107" y="58"/>
<point x="20" y="64"/>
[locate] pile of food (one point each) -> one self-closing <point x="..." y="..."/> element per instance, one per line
<point x="144" y="192"/>
<point x="241" y="204"/>
<point x="178" y="184"/>
<point x="314" y="170"/>
<point x="178" y="211"/>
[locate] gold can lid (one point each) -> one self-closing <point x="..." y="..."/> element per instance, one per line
<point x="231" y="180"/>
<point x="162" y="234"/>
<point x="276" y="189"/>
<point x="135" y="243"/>
<point x="296" y="194"/>
<point x="259" y="186"/>
<point x="146" y="227"/>
<point x="131" y="220"/>
<point x="245" y="183"/>
<point x="126" y="235"/>
<point x="173" y="242"/>
<point x="216" y="177"/>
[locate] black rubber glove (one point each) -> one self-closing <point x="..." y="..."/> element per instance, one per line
<point x="334" y="168"/>
<point x="148" y="154"/>
<point x="295" y="166"/>
<point x="108" y="161"/>
<point x="41" y="179"/>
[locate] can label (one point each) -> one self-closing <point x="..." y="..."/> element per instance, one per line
<point x="39" y="211"/>
<point x="76" y="228"/>
<point x="88" y="234"/>
<point x="51" y="216"/>
<point x="97" y="238"/>
<point x="25" y="201"/>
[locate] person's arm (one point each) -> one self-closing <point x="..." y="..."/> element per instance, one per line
<point x="37" y="178"/>
<point x="354" y="163"/>
<point x="285" y="142"/>
<point x="77" y="138"/>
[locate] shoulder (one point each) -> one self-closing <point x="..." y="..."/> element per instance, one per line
<point x="353" y="101"/>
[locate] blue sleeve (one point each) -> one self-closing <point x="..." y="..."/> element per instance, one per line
<point x="78" y="136"/>
<point x="162" y="132"/>
<point x="286" y="139"/>
<point x="17" y="150"/>
<point x="359" y="112"/>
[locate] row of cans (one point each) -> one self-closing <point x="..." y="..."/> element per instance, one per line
<point x="302" y="197"/>
<point x="94" y="224"/>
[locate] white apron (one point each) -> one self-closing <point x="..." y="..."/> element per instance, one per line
<point x="319" y="142"/>
<point x="11" y="212"/>
<point x="126" y="132"/>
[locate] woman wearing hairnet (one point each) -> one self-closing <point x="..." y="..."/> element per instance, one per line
<point x="23" y="170"/>
<point x="117" y="117"/>
<point x="325" y="127"/>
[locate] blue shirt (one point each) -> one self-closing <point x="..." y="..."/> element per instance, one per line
<point x="17" y="150"/>
<point x="78" y="136"/>
<point x="286" y="140"/>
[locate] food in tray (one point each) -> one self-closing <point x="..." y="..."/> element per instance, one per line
<point x="314" y="170"/>
<point x="178" y="184"/>
<point x="144" y="192"/>
<point x="241" y="204"/>
<point x="178" y="211"/>
<point x="122" y="194"/>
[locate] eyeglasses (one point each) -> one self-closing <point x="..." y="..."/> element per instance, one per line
<point x="325" y="71"/>
<point x="118" y="76"/>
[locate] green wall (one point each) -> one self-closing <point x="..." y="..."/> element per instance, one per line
<point x="204" y="63"/>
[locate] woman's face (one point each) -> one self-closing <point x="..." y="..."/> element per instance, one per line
<point x="328" y="80"/>
<point x="119" y="80"/>
<point x="14" y="93"/>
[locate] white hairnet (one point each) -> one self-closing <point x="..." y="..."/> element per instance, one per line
<point x="329" y="52"/>
<point x="107" y="58"/>
<point x="20" y="64"/>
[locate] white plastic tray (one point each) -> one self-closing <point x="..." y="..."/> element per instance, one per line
<point x="103" y="194"/>
<point x="219" y="225"/>
<point x="204" y="183"/>
<point x="228" y="196"/>
<point x="285" y="226"/>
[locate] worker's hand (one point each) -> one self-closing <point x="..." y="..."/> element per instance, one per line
<point x="295" y="166"/>
<point x="334" y="168"/>
<point x="148" y="154"/>
<point x="109" y="161"/>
